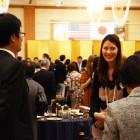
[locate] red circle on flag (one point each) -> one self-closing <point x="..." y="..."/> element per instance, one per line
<point x="102" y="30"/>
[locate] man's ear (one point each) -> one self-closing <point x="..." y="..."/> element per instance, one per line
<point x="12" y="38"/>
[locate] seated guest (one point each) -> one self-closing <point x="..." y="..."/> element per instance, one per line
<point x="122" y="121"/>
<point x="35" y="89"/>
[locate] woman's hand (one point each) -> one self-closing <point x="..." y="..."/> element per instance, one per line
<point x="100" y="119"/>
<point x="99" y="124"/>
<point x="99" y="116"/>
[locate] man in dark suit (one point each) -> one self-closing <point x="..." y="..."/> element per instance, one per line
<point x="60" y="75"/>
<point x="79" y="63"/>
<point x="46" y="78"/>
<point x="15" y="119"/>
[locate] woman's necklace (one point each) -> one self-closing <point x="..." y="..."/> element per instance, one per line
<point x="106" y="94"/>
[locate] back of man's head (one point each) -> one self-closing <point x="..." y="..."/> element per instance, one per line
<point x="9" y="25"/>
<point x="62" y="57"/>
<point x="44" y="62"/>
<point x="130" y="71"/>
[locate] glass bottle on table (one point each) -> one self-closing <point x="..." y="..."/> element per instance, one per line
<point x="59" y="111"/>
<point x="56" y="107"/>
<point x="65" y="111"/>
<point x="66" y="108"/>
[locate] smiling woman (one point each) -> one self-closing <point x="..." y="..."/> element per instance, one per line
<point x="106" y="82"/>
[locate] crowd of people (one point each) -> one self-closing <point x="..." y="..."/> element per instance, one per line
<point x="108" y="84"/>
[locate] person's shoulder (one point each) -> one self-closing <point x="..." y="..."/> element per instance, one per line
<point x="13" y="62"/>
<point x="36" y="73"/>
<point x="36" y="84"/>
<point x="50" y="73"/>
<point x="119" y="104"/>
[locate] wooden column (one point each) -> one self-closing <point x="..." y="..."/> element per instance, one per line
<point x="126" y="31"/>
<point x="29" y="25"/>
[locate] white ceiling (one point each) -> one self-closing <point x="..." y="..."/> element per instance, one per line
<point x="77" y="3"/>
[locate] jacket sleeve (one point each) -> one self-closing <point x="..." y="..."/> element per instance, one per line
<point x="95" y="100"/>
<point x="41" y="93"/>
<point x="11" y="90"/>
<point x="110" y="126"/>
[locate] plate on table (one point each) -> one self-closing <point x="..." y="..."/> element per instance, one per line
<point x="50" y="114"/>
<point x="38" y="117"/>
<point x="54" y="119"/>
<point x="79" y="114"/>
<point x="85" y="107"/>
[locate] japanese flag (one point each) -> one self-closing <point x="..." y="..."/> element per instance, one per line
<point x="100" y="30"/>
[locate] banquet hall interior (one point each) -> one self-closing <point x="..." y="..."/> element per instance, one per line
<point x="72" y="29"/>
<point x="48" y="25"/>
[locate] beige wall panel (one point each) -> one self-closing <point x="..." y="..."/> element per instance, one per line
<point x="85" y="49"/>
<point x="75" y="50"/>
<point x="96" y="47"/>
<point x="134" y="25"/>
<point x="19" y="12"/>
<point x="128" y="48"/>
<point x="32" y="49"/>
<point x="44" y="18"/>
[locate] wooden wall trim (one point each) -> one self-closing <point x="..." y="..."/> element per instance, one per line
<point x="126" y="31"/>
<point x="63" y="7"/>
<point x="29" y="24"/>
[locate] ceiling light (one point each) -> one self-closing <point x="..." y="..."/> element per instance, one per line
<point x="4" y="4"/>
<point x="59" y="3"/>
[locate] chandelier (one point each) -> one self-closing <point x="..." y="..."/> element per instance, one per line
<point x="4" y="4"/>
<point x="120" y="10"/>
<point x="95" y="8"/>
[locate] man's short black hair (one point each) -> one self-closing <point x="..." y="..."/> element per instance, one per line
<point x="130" y="71"/>
<point x="62" y="57"/>
<point x="80" y="57"/>
<point x="9" y="25"/>
<point x="29" y="68"/>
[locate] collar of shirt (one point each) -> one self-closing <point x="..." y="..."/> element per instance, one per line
<point x="43" y="68"/>
<point x="8" y="51"/>
<point x="62" y="62"/>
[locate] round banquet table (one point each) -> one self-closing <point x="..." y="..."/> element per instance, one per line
<point x="65" y="129"/>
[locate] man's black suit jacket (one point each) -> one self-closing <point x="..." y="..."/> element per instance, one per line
<point x="15" y="120"/>
<point x="46" y="79"/>
<point x="60" y="72"/>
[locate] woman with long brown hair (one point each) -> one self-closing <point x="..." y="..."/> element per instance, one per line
<point x="106" y="82"/>
<point x="86" y="80"/>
